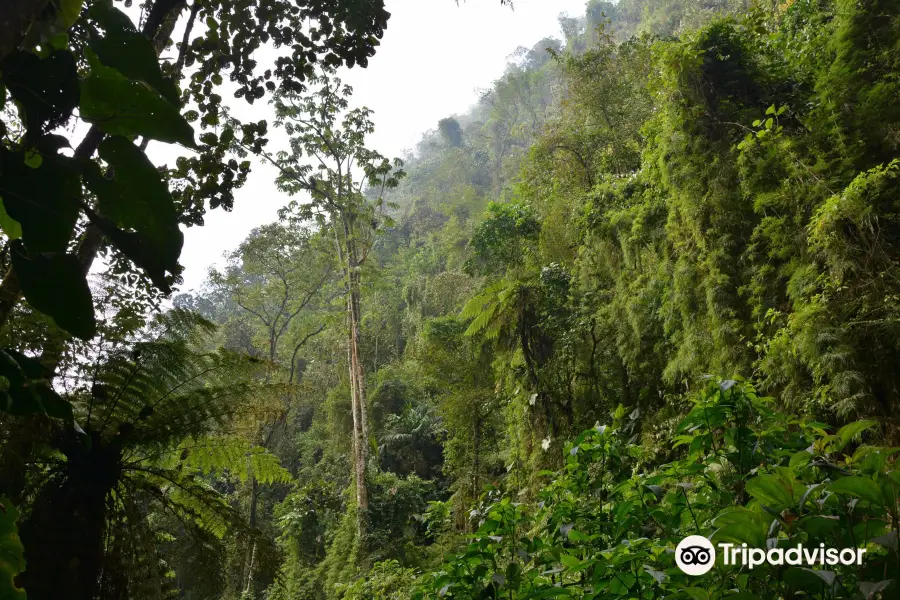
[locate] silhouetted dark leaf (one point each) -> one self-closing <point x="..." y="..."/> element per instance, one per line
<point x="43" y="200"/>
<point x="54" y="284"/>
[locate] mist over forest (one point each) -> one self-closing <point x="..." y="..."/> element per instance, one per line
<point x="646" y="287"/>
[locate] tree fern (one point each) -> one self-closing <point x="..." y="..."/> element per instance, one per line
<point x="490" y="309"/>
<point x="149" y="414"/>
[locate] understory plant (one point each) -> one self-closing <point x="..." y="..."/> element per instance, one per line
<point x="739" y="471"/>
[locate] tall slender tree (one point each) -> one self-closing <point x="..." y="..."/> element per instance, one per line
<point x="277" y="277"/>
<point x="345" y="181"/>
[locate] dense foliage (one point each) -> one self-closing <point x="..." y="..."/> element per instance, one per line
<point x="607" y="523"/>
<point x="494" y="369"/>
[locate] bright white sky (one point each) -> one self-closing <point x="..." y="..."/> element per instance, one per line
<point x="434" y="57"/>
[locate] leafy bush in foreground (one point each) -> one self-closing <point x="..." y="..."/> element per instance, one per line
<point x="606" y="525"/>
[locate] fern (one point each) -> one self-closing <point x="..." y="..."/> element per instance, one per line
<point x="490" y="309"/>
<point x="232" y="455"/>
<point x="155" y="418"/>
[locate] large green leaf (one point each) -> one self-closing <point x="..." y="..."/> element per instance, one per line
<point x="138" y="199"/>
<point x="54" y="284"/>
<point x="775" y="491"/>
<point x="871" y="588"/>
<point x="43" y="200"/>
<point x="11" y="228"/>
<point x="740" y="525"/>
<point x="859" y="487"/>
<point x="811" y="580"/>
<point x="819" y="527"/>
<point x="69" y="11"/>
<point x="136" y="247"/>
<point x="12" y="553"/>
<point x="132" y="54"/>
<point x="109" y="17"/>
<point x="846" y="433"/>
<point x="120" y="106"/>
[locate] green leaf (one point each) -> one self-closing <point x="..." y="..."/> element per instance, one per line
<point x="741" y="525"/>
<point x="659" y="576"/>
<point x="60" y="41"/>
<point x="44" y="201"/>
<point x="28" y="367"/>
<point x="888" y="540"/>
<point x="771" y="490"/>
<point x="231" y="454"/>
<point x="12" y="553"/>
<point x="54" y="284"/>
<point x="137" y="198"/>
<point x="739" y="533"/>
<point x="800" y="459"/>
<point x="132" y="54"/>
<point x="135" y="247"/>
<point x="36" y="398"/>
<point x="770" y="110"/>
<point x="573" y="563"/>
<point x="119" y="106"/>
<point x="859" y="487"/>
<point x="109" y="17"/>
<point x="68" y="13"/>
<point x="810" y="580"/>
<point x="846" y="433"/>
<point x="696" y="593"/>
<point x="553" y="592"/>
<point x="33" y="159"/>
<point x="819" y="526"/>
<point x="569" y="560"/>
<point x="769" y="123"/>
<point x="10" y="227"/>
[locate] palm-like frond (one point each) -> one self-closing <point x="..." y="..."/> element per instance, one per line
<point x="490" y="309"/>
<point x="232" y="455"/>
<point x="407" y="435"/>
<point x="154" y="424"/>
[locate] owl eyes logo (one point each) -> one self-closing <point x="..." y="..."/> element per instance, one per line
<point x="695" y="555"/>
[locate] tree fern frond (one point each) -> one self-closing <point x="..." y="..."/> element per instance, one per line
<point x="483" y="319"/>
<point x="232" y="454"/>
<point x="193" y="501"/>
<point x="486" y="297"/>
<point x="491" y="309"/>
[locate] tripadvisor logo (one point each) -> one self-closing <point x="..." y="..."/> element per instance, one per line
<point x="695" y="555"/>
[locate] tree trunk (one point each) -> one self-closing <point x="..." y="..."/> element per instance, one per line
<point x="360" y="422"/>
<point x="65" y="533"/>
<point x="356" y="319"/>
<point x="251" y="552"/>
<point x="357" y="382"/>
